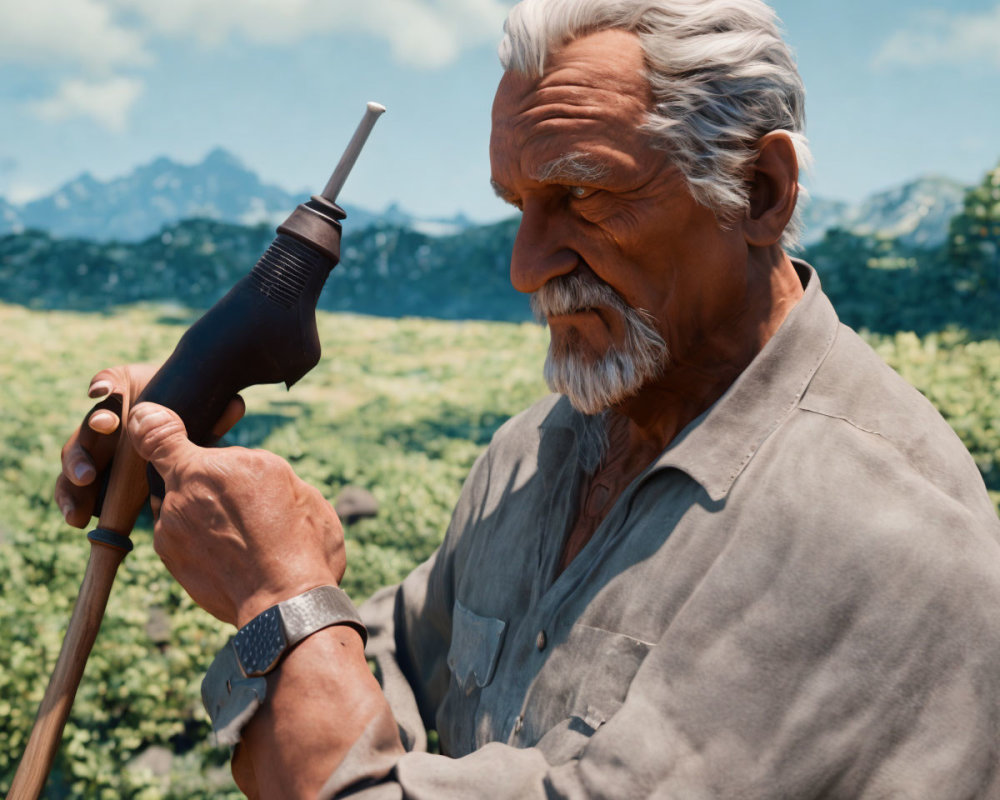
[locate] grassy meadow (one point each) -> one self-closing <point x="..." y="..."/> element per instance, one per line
<point x="398" y="406"/>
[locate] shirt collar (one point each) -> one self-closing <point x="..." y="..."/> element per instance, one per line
<point x="717" y="446"/>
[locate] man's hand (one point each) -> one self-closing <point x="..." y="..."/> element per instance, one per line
<point x="88" y="452"/>
<point x="237" y="528"/>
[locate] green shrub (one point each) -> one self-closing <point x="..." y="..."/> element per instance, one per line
<point x="400" y="407"/>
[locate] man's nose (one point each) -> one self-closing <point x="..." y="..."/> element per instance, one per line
<point x="541" y="251"/>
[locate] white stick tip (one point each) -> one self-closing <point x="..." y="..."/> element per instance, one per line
<point x="376" y="108"/>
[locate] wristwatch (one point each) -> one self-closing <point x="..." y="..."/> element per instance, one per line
<point x="234" y="687"/>
<point x="261" y="643"/>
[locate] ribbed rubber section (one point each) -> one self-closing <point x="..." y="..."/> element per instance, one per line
<point x="284" y="269"/>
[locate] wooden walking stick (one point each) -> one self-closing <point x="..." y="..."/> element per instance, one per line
<point x="125" y="497"/>
<point x="262" y="331"/>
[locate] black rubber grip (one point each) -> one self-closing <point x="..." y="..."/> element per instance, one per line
<point x="262" y="331"/>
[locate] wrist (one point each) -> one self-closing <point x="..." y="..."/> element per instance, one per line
<point x="234" y="687"/>
<point x="261" y="600"/>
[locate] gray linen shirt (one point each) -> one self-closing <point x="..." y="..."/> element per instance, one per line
<point x="799" y="598"/>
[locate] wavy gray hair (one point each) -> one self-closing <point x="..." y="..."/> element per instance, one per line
<point x="721" y="75"/>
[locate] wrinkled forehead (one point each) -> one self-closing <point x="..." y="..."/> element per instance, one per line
<point x="600" y="76"/>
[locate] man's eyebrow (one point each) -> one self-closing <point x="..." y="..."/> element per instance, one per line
<point x="569" y="168"/>
<point x="502" y="192"/>
<point x="572" y="168"/>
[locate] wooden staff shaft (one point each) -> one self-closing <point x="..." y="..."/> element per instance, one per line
<point x="126" y="493"/>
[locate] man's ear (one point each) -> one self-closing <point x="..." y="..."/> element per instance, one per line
<point x="774" y="190"/>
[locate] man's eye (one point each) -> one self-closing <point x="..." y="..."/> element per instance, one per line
<point x="581" y="192"/>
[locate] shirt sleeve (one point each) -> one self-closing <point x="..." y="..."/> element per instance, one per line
<point x="408" y="631"/>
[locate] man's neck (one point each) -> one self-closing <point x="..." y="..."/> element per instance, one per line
<point x="702" y="370"/>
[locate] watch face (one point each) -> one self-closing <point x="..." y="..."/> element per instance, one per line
<point x="260" y="643"/>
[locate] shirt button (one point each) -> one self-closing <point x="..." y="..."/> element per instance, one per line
<point x="541" y="640"/>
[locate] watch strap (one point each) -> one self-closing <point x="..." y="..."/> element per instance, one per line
<point x="317" y="609"/>
<point x="261" y="643"/>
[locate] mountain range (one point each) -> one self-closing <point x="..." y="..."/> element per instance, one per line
<point x="917" y="213"/>
<point x="135" y="206"/>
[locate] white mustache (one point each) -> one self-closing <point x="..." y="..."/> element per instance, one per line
<point x="567" y="294"/>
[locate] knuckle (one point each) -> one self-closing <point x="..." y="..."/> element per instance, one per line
<point x="202" y="491"/>
<point x="264" y="462"/>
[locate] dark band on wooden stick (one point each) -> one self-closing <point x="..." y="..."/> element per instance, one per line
<point x="104" y="536"/>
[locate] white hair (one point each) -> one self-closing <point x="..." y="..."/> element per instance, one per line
<point x="720" y="73"/>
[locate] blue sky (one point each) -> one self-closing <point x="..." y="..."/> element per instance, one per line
<point x="895" y="90"/>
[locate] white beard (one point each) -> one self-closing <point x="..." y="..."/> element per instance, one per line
<point x="593" y="386"/>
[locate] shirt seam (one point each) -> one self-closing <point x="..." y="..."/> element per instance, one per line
<point x="849" y="421"/>
<point x="614" y="633"/>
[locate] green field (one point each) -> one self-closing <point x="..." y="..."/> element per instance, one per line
<point x="401" y="407"/>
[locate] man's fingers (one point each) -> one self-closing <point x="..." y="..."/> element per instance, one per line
<point x="125" y="381"/>
<point x="99" y="388"/>
<point x="159" y="436"/>
<point x="91" y="448"/>
<point x="77" y="466"/>
<point x="76" y="503"/>
<point x="107" y="381"/>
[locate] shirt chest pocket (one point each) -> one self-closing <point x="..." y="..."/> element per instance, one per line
<point x="610" y="662"/>
<point x="582" y="685"/>
<point x="475" y="647"/>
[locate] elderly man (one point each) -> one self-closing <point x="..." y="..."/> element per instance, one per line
<point x="734" y="556"/>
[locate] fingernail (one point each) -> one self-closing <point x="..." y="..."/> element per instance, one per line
<point x="66" y="507"/>
<point x="98" y="389"/>
<point x="101" y="418"/>
<point x="83" y="472"/>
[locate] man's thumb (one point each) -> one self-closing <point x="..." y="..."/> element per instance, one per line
<point x="159" y="436"/>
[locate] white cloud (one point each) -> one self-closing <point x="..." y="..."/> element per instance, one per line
<point x="100" y="35"/>
<point x="940" y="38"/>
<point x="77" y="32"/>
<point x="421" y="33"/>
<point x="96" y="39"/>
<point x="107" y="102"/>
